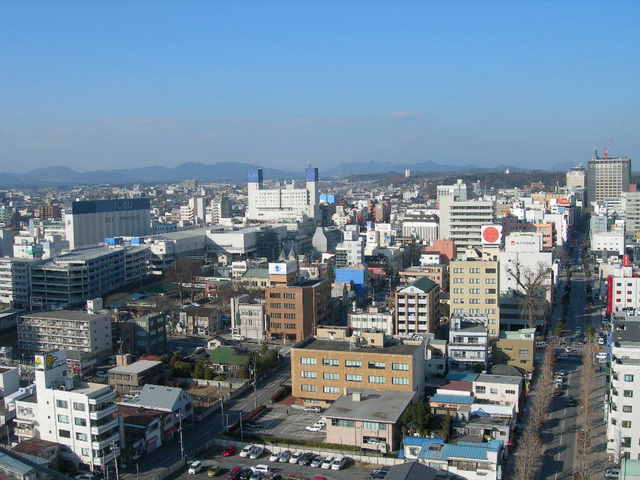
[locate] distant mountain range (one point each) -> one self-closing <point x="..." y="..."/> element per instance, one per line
<point x="233" y="172"/>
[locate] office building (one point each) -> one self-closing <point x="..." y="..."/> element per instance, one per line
<point x="455" y="192"/>
<point x="517" y="349"/>
<point x="437" y="273"/>
<point x="607" y="177"/>
<point x="323" y="369"/>
<point x="462" y="222"/>
<point x="371" y="319"/>
<point x="69" y="412"/>
<point x="150" y="334"/>
<point x="15" y="281"/>
<point x="286" y="203"/>
<point x="349" y="253"/>
<point x="294" y="308"/>
<point x="91" y="221"/>
<point x="248" y="318"/>
<point x="468" y="343"/>
<point x="576" y="178"/>
<point x="475" y="288"/>
<point x="73" y="330"/>
<point x="422" y="230"/>
<point x="132" y="377"/>
<point x="417" y="307"/>
<point x="631" y="208"/>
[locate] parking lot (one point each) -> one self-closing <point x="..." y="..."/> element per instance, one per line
<point x="352" y="472"/>
<point x="286" y="422"/>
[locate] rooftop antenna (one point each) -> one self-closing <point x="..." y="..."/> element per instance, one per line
<point x="605" y="153"/>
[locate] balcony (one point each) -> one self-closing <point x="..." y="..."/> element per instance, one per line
<point x="107" y="442"/>
<point x="98" y="414"/>
<point x="103" y="428"/>
<point x="107" y="397"/>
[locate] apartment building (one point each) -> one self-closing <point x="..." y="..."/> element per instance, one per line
<point x="437" y="273"/>
<point x="498" y="390"/>
<point x="517" y="348"/>
<point x="462" y="222"/>
<point x="150" y="332"/>
<point x="69" y="412"/>
<point x="132" y="377"/>
<point x="623" y="412"/>
<point x="371" y="319"/>
<point x="15" y="281"/>
<point x="294" y="308"/>
<point x="248" y="318"/>
<point x="417" y="307"/>
<point x="322" y="370"/>
<point x="475" y="288"/>
<point x="468" y="347"/>
<point x="73" y="330"/>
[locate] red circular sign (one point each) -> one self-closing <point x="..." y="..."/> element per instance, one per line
<point x="490" y="234"/>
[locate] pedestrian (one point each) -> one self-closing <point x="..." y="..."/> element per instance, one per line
<point x="287" y="411"/>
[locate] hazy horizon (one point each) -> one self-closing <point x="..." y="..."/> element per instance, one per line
<point x="116" y="85"/>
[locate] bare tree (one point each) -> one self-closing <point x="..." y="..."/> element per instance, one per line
<point x="182" y="273"/>
<point x="533" y="286"/>
<point x="585" y="434"/>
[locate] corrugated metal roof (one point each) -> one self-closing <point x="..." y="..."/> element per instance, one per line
<point x="459" y="399"/>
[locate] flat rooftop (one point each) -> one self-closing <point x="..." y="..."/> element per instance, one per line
<point x="74" y="315"/>
<point x="82" y="254"/>
<point x="135" y="367"/>
<point x="346" y="346"/>
<point x="378" y="406"/>
<point x="485" y="377"/>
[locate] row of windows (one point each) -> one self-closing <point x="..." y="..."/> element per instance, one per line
<point x="483" y="389"/>
<point x="475" y="301"/>
<point x="489" y="291"/>
<point x="474" y="311"/>
<point x="80" y="407"/>
<point x="355" y="364"/>
<point x="283" y="305"/>
<point x="284" y="295"/>
<point x="354" y="377"/>
<point x="81" y="422"/>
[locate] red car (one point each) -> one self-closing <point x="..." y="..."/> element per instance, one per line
<point x="234" y="473"/>
<point x="229" y="451"/>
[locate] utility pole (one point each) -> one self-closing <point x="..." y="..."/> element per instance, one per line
<point x="241" y="438"/>
<point x="115" y="458"/>
<point x="181" y="444"/>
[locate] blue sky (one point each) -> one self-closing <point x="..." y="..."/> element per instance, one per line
<point x="94" y="84"/>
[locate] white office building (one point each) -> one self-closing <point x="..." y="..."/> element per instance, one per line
<point x="350" y="252"/>
<point x="422" y="230"/>
<point x="462" y="221"/>
<point x="612" y="242"/>
<point x="373" y="319"/>
<point x="286" y="203"/>
<point x="455" y="192"/>
<point x="67" y="411"/>
<point x="248" y="318"/>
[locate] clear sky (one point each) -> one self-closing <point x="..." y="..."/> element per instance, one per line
<point x="110" y="84"/>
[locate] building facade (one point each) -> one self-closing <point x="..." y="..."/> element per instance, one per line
<point x="248" y="318"/>
<point x="462" y="222"/>
<point x="607" y="177"/>
<point x="417" y="307"/>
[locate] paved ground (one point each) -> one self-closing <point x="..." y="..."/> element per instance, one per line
<point x="353" y="472"/>
<point x="287" y="422"/>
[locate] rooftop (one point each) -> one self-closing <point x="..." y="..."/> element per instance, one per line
<point x="488" y="378"/>
<point x="436" y="449"/>
<point x="34" y="446"/>
<point x="137" y="415"/>
<point x="71" y="315"/>
<point x="415" y="471"/>
<point x="83" y="255"/>
<point x="379" y="406"/>
<point x="346" y="346"/>
<point x="455" y="399"/>
<point x="522" y="334"/>
<point x="12" y="464"/>
<point x="156" y="397"/>
<point x="135" y="367"/>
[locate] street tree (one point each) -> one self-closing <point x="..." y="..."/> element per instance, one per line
<point x="533" y="285"/>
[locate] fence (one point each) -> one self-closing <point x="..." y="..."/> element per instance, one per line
<point x="226" y="384"/>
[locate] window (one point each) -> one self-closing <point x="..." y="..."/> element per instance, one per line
<point x="64" y="433"/>
<point x="331" y="376"/>
<point x="627" y="393"/>
<point x="400" y="381"/>
<point x="85" y="452"/>
<point x="489" y="270"/>
<point x="307" y="361"/>
<point x="62" y="404"/>
<point x="336" y="422"/>
<point x="490" y="291"/>
<point x="81" y="422"/>
<point x="307" y="388"/>
<point x="400" y="366"/>
<point x="289" y="305"/>
<point x="481" y="389"/>
<point x="626" y="424"/>
<point x="373" y="426"/>
<point x="352" y="377"/>
<point x="493" y="391"/>
<point x="523" y="352"/>
<point x="331" y="389"/>
<point x="63" y="418"/>
<point x="628" y="378"/>
<point x="308" y="374"/>
<point x="510" y="392"/>
<point x="289" y="295"/>
<point x="490" y="281"/>
<point x="474" y="270"/>
<point x="490" y="301"/>
<point x="274" y="295"/>
<point x="290" y="326"/>
<point x="331" y="362"/>
<point x="353" y="363"/>
<point x="376" y="379"/>
<point x="81" y="436"/>
<point x="627" y="408"/>
<point x="378" y="365"/>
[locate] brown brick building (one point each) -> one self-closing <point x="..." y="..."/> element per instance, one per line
<point x="323" y="370"/>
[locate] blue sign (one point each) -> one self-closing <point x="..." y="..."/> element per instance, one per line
<point x="311" y="174"/>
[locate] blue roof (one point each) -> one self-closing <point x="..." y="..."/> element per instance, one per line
<point x="465" y="450"/>
<point x="460" y="399"/>
<point x="467" y="377"/>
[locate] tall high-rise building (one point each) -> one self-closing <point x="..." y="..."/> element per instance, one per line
<point x="284" y="203"/>
<point x="607" y="177"/>
<point x="91" y="221"/>
<point x="631" y="208"/>
<point x="576" y="178"/>
<point x="462" y="222"/>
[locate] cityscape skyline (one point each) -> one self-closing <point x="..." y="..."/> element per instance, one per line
<point x="282" y="84"/>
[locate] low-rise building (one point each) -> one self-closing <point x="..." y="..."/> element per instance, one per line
<point x="132" y="377"/>
<point x="517" y="348"/>
<point x="371" y="319"/>
<point x="9" y="381"/>
<point x="163" y="399"/>
<point x="322" y="369"/>
<point x="201" y="321"/>
<point x="468" y="343"/>
<point x="498" y="389"/>
<point x="367" y="419"/>
<point x="248" y="319"/>
<point x="19" y="466"/>
<point x="142" y="430"/>
<point x="417" y="307"/>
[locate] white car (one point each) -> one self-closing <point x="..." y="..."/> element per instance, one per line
<point x="284" y="456"/>
<point x="274" y="457"/>
<point x="195" y="467"/>
<point x="256" y="452"/>
<point x="339" y="463"/>
<point x="295" y="457"/>
<point x="262" y="469"/>
<point x="246" y="450"/>
<point x="327" y="463"/>
<point x="312" y="409"/>
<point x="313" y="428"/>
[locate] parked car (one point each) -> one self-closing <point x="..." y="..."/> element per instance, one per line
<point x="313" y="428"/>
<point x="246" y="450"/>
<point x="305" y="459"/>
<point x="234" y="473"/>
<point x="245" y="474"/>
<point x="256" y="452"/>
<point x="339" y="463"/>
<point x="229" y="451"/>
<point x="213" y="469"/>
<point x="378" y="473"/>
<point x="284" y="456"/>
<point x="312" y="409"/>
<point x="84" y="476"/>
<point x="274" y="457"/>
<point x="195" y="467"/>
<point x="262" y="469"/>
<point x="612" y="473"/>
<point x="317" y="461"/>
<point x="326" y="465"/>
<point x="295" y="456"/>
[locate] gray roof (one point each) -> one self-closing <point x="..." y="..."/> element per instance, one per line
<point x="416" y="471"/>
<point x="374" y="405"/>
<point x="511" y="380"/>
<point x="14" y="465"/>
<point x="135" y="367"/>
<point x="76" y="315"/>
<point x="84" y="254"/>
<point x="345" y="346"/>
<point x="158" y="397"/>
